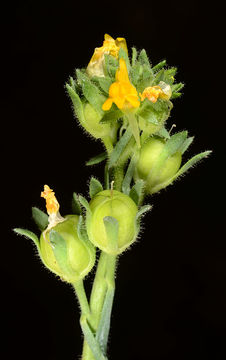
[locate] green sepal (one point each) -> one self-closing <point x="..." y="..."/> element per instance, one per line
<point x="77" y="103"/>
<point x="134" y="56"/>
<point x="186" y="144"/>
<point x="111" y="65"/>
<point x="119" y="147"/>
<point x="190" y="163"/>
<point x="143" y="209"/>
<point x="163" y="133"/>
<point x="174" y="144"/>
<point x="89" y="337"/>
<point x="76" y="208"/>
<point x="143" y="58"/>
<point x="81" y="229"/>
<point x="28" y="234"/>
<point x="154" y="113"/>
<point x="136" y="73"/>
<point x="84" y="203"/>
<point x="40" y="218"/>
<point x="159" y="66"/>
<point x="123" y="54"/>
<point x="136" y="193"/>
<point x="103" y="82"/>
<point x="111" y="116"/>
<point x="59" y="247"/>
<point x="111" y="226"/>
<point x="94" y="187"/>
<point x="97" y="159"/>
<point x="129" y="175"/>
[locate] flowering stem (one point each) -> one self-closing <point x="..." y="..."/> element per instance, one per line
<point x="81" y="295"/>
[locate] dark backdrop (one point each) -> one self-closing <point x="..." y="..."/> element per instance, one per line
<point x="171" y="290"/>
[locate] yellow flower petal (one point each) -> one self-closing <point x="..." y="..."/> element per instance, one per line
<point x="52" y="204"/>
<point x="107" y="104"/>
<point x="122" y="73"/>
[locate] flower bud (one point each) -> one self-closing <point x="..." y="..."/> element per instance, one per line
<point x="118" y="209"/>
<point x="64" y="253"/>
<point x="154" y="166"/>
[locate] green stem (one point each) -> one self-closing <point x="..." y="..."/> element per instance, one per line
<point x="81" y="295"/>
<point x="118" y="177"/>
<point x="104" y="280"/>
<point x="108" y="144"/>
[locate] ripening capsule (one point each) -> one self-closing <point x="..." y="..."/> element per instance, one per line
<point x="154" y="168"/>
<point x="61" y="248"/>
<point x="80" y="255"/>
<point x="114" y="204"/>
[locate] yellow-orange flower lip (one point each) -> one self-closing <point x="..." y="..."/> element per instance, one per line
<point x="122" y="92"/>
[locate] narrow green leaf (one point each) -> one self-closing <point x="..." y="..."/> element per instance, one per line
<point x="163" y="133"/>
<point x="192" y="162"/>
<point x="129" y="175"/>
<point x="92" y="342"/>
<point x="134" y="56"/>
<point x="94" y="187"/>
<point x="176" y="95"/>
<point x="143" y="58"/>
<point x="111" y="226"/>
<point x="177" y="87"/>
<point x="136" y="193"/>
<point x="103" y="82"/>
<point x="40" y="218"/>
<point x="97" y="159"/>
<point x="159" y="66"/>
<point x="84" y="203"/>
<point x="77" y="104"/>
<point x="143" y="210"/>
<point x="28" y="234"/>
<point x="119" y="147"/>
<point x="111" y="65"/>
<point x="93" y="96"/>
<point x="148" y="112"/>
<point x="81" y="229"/>
<point x="104" y="324"/>
<point x="76" y="208"/>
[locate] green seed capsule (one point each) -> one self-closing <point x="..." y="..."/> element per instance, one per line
<point x="64" y="253"/>
<point x="154" y="166"/>
<point x="118" y="209"/>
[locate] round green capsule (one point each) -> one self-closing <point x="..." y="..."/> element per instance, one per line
<point x="121" y="211"/>
<point x="154" y="168"/>
<point x="69" y="257"/>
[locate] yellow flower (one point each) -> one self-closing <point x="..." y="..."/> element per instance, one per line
<point x="52" y="204"/>
<point x="152" y="93"/>
<point x="110" y="46"/>
<point x="122" y="92"/>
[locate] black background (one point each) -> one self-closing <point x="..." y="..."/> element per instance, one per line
<point x="171" y="290"/>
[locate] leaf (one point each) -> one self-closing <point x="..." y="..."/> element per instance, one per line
<point x="136" y="193"/>
<point x="111" y="115"/>
<point x="81" y="229"/>
<point x="104" y="324"/>
<point x="40" y="218"/>
<point x="111" y="65"/>
<point x="111" y="227"/>
<point x="177" y="87"/>
<point x="76" y="208"/>
<point x="129" y="175"/>
<point x="159" y="66"/>
<point x="94" y="187"/>
<point x="97" y="159"/>
<point x="103" y="82"/>
<point x="143" y="58"/>
<point x="93" y="96"/>
<point x="163" y="133"/>
<point x="119" y="147"/>
<point x="143" y="210"/>
<point x="28" y="234"/>
<point x="134" y="56"/>
<point x="84" y="203"/>
<point x="147" y="112"/>
<point x="92" y="342"/>
<point x="77" y="103"/>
